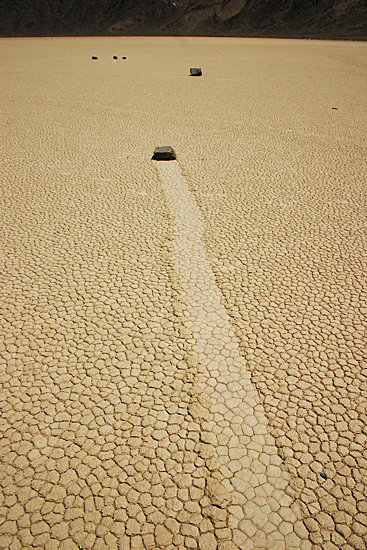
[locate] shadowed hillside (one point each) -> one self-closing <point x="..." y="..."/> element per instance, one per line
<point x="345" y="19"/>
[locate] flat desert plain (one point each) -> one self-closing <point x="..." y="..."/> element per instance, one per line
<point x="184" y="343"/>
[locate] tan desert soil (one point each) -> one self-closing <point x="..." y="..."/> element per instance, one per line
<point x="183" y="344"/>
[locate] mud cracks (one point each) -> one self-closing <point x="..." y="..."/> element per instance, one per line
<point x="246" y="477"/>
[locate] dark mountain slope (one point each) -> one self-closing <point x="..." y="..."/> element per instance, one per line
<point x="283" y="18"/>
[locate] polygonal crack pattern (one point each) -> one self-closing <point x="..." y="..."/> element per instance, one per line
<point x="246" y="478"/>
<point x="99" y="446"/>
<point x="289" y="261"/>
<point x="122" y="425"/>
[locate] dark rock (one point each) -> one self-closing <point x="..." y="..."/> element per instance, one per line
<point x="94" y="57"/>
<point x="124" y="57"/>
<point x="164" y="153"/>
<point x="195" y="72"/>
<point x="323" y="475"/>
<point x="115" y="57"/>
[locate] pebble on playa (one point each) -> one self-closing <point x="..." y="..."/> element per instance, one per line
<point x="196" y="72"/>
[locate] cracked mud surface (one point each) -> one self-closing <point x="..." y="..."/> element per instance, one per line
<point x="184" y="344"/>
<point x="244" y="458"/>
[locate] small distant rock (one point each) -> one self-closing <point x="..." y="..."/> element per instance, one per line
<point x="323" y="475"/>
<point x="124" y="57"/>
<point x="195" y="72"/>
<point x="94" y="57"/>
<point x="115" y="57"/>
<point x="164" y="153"/>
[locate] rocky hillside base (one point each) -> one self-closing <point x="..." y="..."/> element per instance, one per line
<point x="328" y="19"/>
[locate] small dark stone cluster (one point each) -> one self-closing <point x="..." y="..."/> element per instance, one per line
<point x="113" y="57"/>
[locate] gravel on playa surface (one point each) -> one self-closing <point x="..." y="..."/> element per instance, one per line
<point x="183" y="352"/>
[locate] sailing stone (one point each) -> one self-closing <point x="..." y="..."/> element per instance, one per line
<point x="164" y="153"/>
